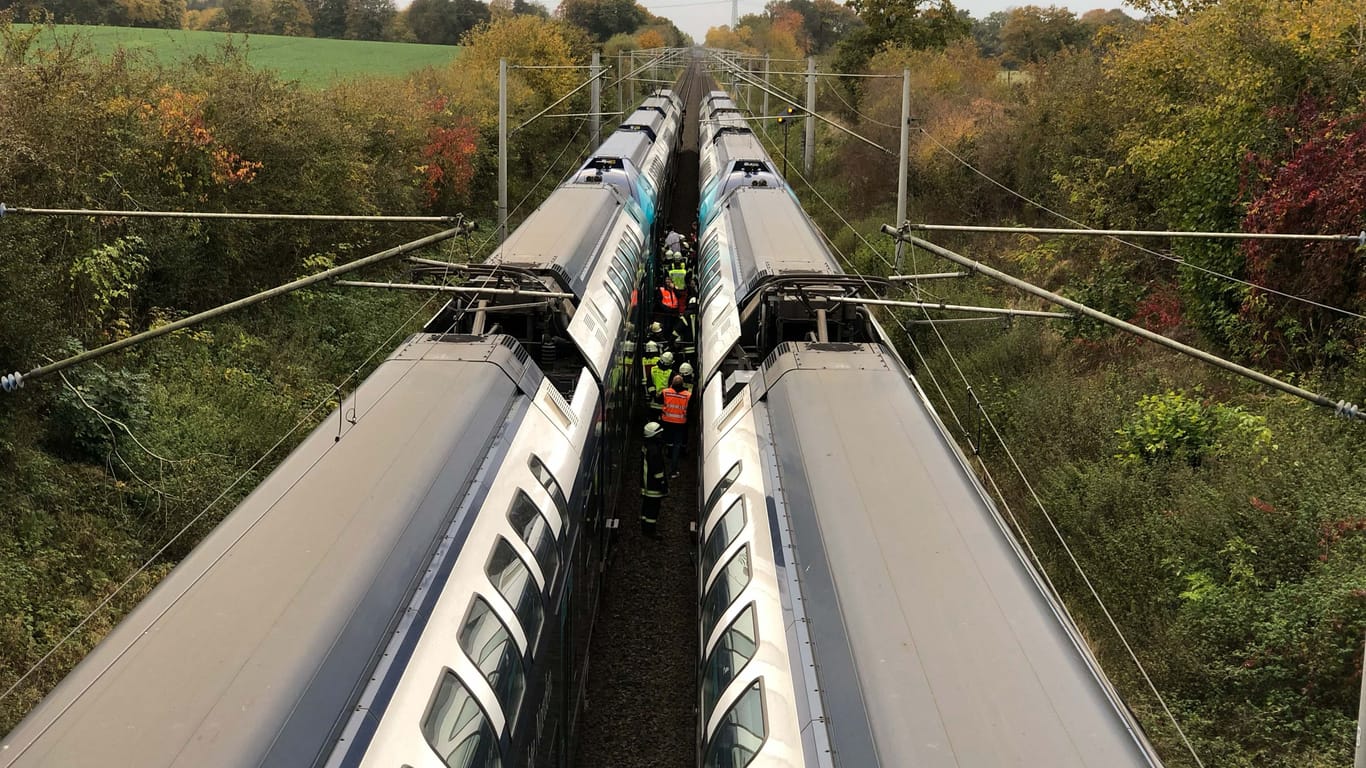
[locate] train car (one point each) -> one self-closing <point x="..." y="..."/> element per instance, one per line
<point x="416" y="583"/>
<point x="862" y="603"/>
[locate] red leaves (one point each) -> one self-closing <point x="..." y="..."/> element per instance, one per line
<point x="1319" y="189"/>
<point x="1160" y="310"/>
<point x="449" y="159"/>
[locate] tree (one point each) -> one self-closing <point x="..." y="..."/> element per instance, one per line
<point x="1032" y="34"/>
<point x="444" y="22"/>
<point x="329" y="17"/>
<point x="650" y="38"/>
<point x="986" y="32"/>
<point x="911" y="23"/>
<point x="603" y="18"/>
<point x="369" y="19"/>
<point x="290" y="17"/>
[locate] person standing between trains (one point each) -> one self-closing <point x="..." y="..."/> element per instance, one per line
<point x="675" y="421"/>
<point x="648" y="361"/>
<point x="662" y="374"/>
<point x="678" y="277"/>
<point x="673" y="244"/>
<point x="654" y="484"/>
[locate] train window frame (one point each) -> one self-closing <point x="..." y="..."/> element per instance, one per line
<point x="722" y="485"/>
<point x="507" y="678"/>
<point x="711" y="555"/>
<point x="715" y="601"/>
<point x="710" y="675"/>
<point x="710" y="757"/>
<point x="527" y="604"/>
<point x="541" y="471"/>
<point x="450" y="681"/>
<point x="523" y="512"/>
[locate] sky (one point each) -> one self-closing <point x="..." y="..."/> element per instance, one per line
<point x="696" y="16"/>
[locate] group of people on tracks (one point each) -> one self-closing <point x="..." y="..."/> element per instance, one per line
<point x="667" y="372"/>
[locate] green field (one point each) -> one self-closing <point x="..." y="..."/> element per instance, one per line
<point x="309" y="60"/>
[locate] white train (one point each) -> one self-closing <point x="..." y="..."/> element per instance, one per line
<point x="419" y="590"/>
<point x="862" y="603"/>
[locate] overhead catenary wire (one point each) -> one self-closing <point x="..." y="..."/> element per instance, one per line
<point x="1341" y="407"/>
<point x="1160" y="255"/>
<point x="14" y="381"/>
<point x="739" y="74"/>
<point x="239" y="215"/>
<point x="1359" y="239"/>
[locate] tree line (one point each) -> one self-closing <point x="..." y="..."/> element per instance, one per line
<point x="439" y="22"/>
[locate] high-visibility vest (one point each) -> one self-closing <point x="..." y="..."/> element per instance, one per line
<point x="679" y="276"/>
<point x="647" y="367"/>
<point x="668" y="298"/>
<point x="676" y="406"/>
<point x="661" y="376"/>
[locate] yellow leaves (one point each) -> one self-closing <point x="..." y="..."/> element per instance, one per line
<point x="650" y="38"/>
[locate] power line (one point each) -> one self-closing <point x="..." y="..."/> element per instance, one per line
<point x="14" y="381"/>
<point x="139" y="214"/>
<point x="1342" y="407"/>
<point x="1168" y="257"/>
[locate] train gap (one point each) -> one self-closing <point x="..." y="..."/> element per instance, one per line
<point x="640" y="708"/>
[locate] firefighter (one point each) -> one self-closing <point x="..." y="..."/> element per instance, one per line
<point x="661" y="376"/>
<point x="668" y="299"/>
<point x="654" y="483"/>
<point x="685" y="370"/>
<point x="647" y="367"/>
<point x="685" y="333"/>
<point x="678" y="277"/>
<point x="673" y="244"/>
<point x="675" y="421"/>
<point x="659" y="337"/>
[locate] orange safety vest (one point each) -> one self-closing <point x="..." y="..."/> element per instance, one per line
<point x="668" y="298"/>
<point x="676" y="406"/>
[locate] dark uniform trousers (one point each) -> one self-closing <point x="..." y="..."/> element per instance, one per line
<point x="654" y="485"/>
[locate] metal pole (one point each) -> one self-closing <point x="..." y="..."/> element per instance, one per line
<point x="595" y="100"/>
<point x="765" y="88"/>
<point x="14" y="381"/>
<point x="632" y="81"/>
<point x="19" y="211"/>
<point x="930" y="276"/>
<point x="457" y="289"/>
<point x="502" y="150"/>
<point x="1359" y="239"/>
<point x="1341" y="407"/>
<point x="951" y="307"/>
<point x="621" y="91"/>
<point x="810" y="161"/>
<point x="1361" y="723"/>
<point x="905" y="157"/>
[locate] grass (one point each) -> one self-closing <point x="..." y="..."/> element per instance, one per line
<point x="311" y="61"/>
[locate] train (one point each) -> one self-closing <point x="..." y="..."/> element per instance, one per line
<point x="861" y="600"/>
<point x="415" y="584"/>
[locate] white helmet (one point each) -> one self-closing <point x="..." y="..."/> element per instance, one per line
<point x="652" y="429"/>
<point x="656" y="328"/>
<point x="685" y="370"/>
<point x="651" y="348"/>
<point x="666" y="359"/>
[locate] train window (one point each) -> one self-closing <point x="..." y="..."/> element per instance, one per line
<point x="724" y="485"/>
<point x="548" y="482"/>
<point x="728" y="584"/>
<point x="491" y="647"/>
<point x="513" y="580"/>
<point x="741" y="733"/>
<point x="735" y="648"/>
<point x="457" y="729"/>
<point x="532" y="526"/>
<point x="723" y="534"/>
